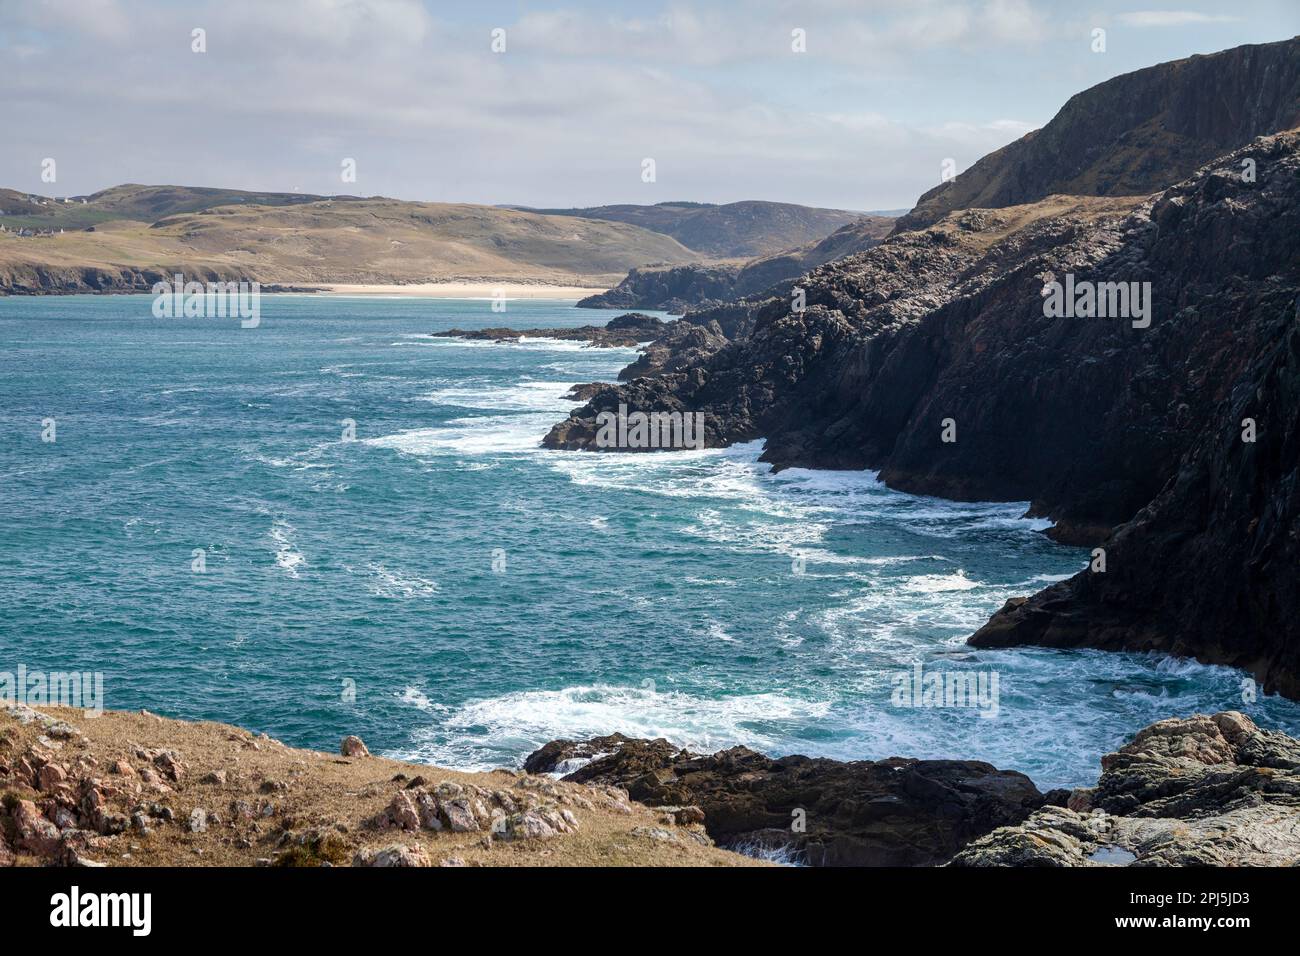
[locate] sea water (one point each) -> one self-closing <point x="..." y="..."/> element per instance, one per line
<point x="337" y="523"/>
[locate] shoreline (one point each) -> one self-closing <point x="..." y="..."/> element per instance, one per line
<point x="135" y="788"/>
<point x="342" y="290"/>
<point x="452" y="290"/>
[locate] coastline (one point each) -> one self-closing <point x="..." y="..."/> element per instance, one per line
<point x="136" y="789"/>
<point x="456" y="290"/>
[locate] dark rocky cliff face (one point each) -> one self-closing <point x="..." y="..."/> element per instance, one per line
<point x="1209" y="568"/>
<point x="699" y="286"/>
<point x="1088" y="418"/>
<point x="36" y="279"/>
<point x="1136" y="133"/>
<point x="675" y="289"/>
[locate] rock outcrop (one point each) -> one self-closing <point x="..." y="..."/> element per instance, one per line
<point x="1134" y="134"/>
<point x="895" y="812"/>
<point x="626" y="331"/>
<point x="704" y="286"/>
<point x="674" y="289"/>
<point x="1201" y="791"/>
<point x="136" y="789"/>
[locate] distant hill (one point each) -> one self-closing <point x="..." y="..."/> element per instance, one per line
<point x="1135" y="134"/>
<point x="122" y="236"/>
<point x="678" y="288"/>
<point x="734" y="230"/>
<point x="131" y="201"/>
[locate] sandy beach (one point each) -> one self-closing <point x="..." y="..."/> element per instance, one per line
<point x="463" y="290"/>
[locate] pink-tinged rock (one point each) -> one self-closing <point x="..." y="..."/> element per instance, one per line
<point x="352" y="746"/>
<point x="123" y="769"/>
<point x="170" y="765"/>
<point x="50" y="776"/>
<point x="35" y="833"/>
<point x="403" y="813"/>
<point x="459" y="815"/>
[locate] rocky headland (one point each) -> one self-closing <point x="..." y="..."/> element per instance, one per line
<point x="1165" y="435"/>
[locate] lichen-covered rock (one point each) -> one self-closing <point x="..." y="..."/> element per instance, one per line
<point x="397" y="854"/>
<point x="1197" y="791"/>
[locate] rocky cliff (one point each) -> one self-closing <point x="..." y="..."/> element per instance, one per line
<point x="707" y="285"/>
<point x="1136" y="133"/>
<point x="931" y="359"/>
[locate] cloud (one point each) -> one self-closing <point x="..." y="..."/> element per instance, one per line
<point x="412" y="90"/>
<point x="1171" y="18"/>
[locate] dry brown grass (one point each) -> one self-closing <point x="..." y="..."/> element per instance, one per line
<point x="362" y="241"/>
<point x="327" y="793"/>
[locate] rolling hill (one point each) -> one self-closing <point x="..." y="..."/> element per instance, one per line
<point x="738" y="230"/>
<point x="125" y="237"/>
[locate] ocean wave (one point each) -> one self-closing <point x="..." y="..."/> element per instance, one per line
<point x="526" y="396"/>
<point x="488" y="434"/>
<point x="478" y="735"/>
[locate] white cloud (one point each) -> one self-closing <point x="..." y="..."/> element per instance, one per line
<point x="1171" y="18"/>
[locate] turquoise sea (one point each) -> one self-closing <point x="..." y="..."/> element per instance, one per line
<point x="479" y="594"/>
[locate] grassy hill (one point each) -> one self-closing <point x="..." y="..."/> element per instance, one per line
<point x="120" y="235"/>
<point x="734" y="230"/>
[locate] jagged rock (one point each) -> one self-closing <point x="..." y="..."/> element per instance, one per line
<point x="50" y="776"/>
<point x="460" y="818"/>
<point x="198" y="820"/>
<point x="402" y="812"/>
<point x="533" y="825"/>
<point x="894" y="812"/>
<point x="566" y="756"/>
<point x="34" y="833"/>
<point x="1199" y="791"/>
<point x="672" y="289"/>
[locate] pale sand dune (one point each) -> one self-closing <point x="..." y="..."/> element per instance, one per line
<point x="464" y="290"/>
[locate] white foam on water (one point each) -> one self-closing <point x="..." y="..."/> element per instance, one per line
<point x="287" y="555"/>
<point x="476" y="735"/>
<point x="526" y="396"/>
<point x="382" y="582"/>
<point x="523" y="343"/>
<point x="415" y="697"/>
<point x="939" y="583"/>
<point x="484" y="435"/>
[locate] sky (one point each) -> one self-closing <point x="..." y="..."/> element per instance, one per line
<point x="714" y="92"/>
